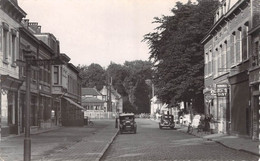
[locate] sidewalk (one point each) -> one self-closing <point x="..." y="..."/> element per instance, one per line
<point x="64" y="143"/>
<point x="230" y="141"/>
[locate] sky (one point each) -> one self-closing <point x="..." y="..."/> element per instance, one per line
<point x="99" y="31"/>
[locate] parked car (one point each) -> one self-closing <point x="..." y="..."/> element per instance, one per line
<point x="167" y="121"/>
<point x="127" y="123"/>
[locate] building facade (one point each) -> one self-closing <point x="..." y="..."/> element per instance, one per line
<point x="254" y="71"/>
<point x="41" y="94"/>
<point x="10" y="19"/>
<point x="227" y="66"/>
<point x="67" y="109"/>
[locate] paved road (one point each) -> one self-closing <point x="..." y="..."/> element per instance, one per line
<point x="151" y="143"/>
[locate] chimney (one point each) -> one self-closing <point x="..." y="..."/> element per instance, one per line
<point x="39" y="30"/>
<point x="26" y="22"/>
<point x="33" y="26"/>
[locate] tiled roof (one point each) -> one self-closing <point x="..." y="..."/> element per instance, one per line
<point x="90" y="91"/>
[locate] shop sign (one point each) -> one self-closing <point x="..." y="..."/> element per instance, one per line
<point x="222" y="90"/>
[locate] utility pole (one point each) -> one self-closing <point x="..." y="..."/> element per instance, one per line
<point x="110" y="98"/>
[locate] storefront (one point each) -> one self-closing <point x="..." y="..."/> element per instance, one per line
<point x="9" y="105"/>
<point x="240" y="112"/>
<point x="254" y="80"/>
<point x="72" y="114"/>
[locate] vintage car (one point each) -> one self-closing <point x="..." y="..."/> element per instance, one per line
<point x="127" y="123"/>
<point x="166" y="121"/>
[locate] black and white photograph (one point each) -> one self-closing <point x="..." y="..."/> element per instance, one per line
<point x="129" y="80"/>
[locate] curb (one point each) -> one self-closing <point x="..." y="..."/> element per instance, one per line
<point x="249" y="152"/>
<point x="242" y="150"/>
<point x="107" y="146"/>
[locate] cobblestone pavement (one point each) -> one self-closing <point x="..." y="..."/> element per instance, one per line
<point x="66" y="143"/>
<point x="151" y="143"/>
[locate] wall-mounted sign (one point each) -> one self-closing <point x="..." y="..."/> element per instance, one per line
<point x="221" y="90"/>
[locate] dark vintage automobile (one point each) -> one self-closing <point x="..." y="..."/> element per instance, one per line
<point x="127" y="123"/>
<point x="166" y="121"/>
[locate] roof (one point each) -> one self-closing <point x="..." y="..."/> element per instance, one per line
<point x="90" y="91"/>
<point x="92" y="101"/>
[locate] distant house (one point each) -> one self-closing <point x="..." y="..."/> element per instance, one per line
<point x="116" y="99"/>
<point x="93" y="101"/>
<point x="97" y="102"/>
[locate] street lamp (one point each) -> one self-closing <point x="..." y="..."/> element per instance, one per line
<point x="30" y="60"/>
<point x="27" y="140"/>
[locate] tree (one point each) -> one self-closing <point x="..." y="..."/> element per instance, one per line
<point x="92" y="76"/>
<point x="177" y="53"/>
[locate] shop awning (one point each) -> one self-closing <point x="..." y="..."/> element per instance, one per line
<point x="74" y="103"/>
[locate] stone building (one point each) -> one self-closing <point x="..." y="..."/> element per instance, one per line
<point x="254" y="71"/>
<point x="227" y="66"/>
<point x="11" y="16"/>
<point x="67" y="109"/>
<point x="41" y="85"/>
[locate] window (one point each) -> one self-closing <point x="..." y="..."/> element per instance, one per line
<point x="233" y="48"/>
<point x="56" y="75"/>
<point x="219" y="63"/>
<point x="210" y="62"/>
<point x="5" y="45"/>
<point x="245" y="49"/>
<point x="256" y="50"/>
<point x="206" y="64"/>
<point x="239" y="46"/>
<point x="225" y="54"/>
<point x="222" y="61"/>
<point x="216" y="62"/>
<point x="13" y="46"/>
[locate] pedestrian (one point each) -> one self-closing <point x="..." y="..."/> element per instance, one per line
<point x="181" y="120"/>
<point x="212" y="124"/>
<point x="207" y="123"/>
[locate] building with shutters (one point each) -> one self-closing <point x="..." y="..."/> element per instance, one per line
<point x="228" y="56"/>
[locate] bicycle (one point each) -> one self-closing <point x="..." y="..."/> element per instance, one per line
<point x="90" y="123"/>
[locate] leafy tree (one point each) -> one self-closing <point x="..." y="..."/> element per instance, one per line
<point x="141" y="93"/>
<point x="117" y="73"/>
<point x="177" y="53"/>
<point x="92" y="75"/>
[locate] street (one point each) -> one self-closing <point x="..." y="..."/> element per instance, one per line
<point x="151" y="143"/>
<point x="92" y="143"/>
